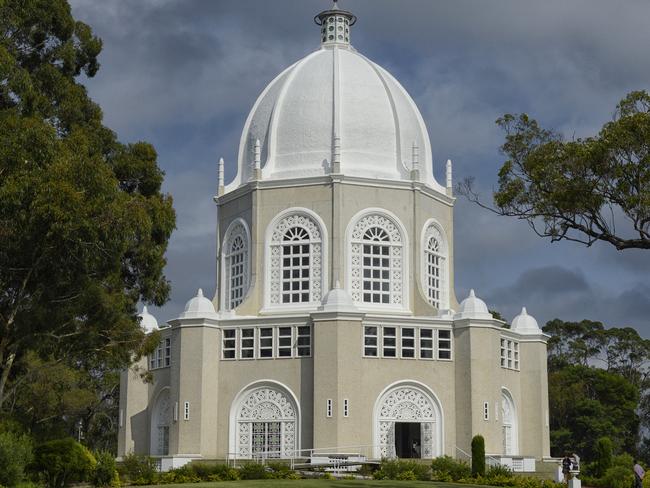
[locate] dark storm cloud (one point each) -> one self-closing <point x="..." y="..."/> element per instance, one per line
<point x="183" y="74"/>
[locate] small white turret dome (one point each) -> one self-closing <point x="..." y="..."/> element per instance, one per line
<point x="473" y="308"/>
<point x="335" y="111"/>
<point x="199" y="307"/>
<point x="525" y="324"/>
<point x="147" y="321"/>
<point x="338" y="299"/>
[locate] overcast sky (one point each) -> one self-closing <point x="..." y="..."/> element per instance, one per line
<point x="183" y="75"/>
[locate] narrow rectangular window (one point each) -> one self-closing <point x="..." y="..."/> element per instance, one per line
<point x="389" y="342"/>
<point x="121" y="417"/>
<point x="408" y="342"/>
<point x="510" y="354"/>
<point x="426" y="343"/>
<point x="370" y="341"/>
<point x="247" y="343"/>
<point x="152" y="360"/>
<point x="516" y="348"/>
<point x="176" y="412"/>
<point x="503" y="353"/>
<point x="329" y="407"/>
<point x="266" y="343"/>
<point x="304" y="341"/>
<point x="285" y="342"/>
<point x="346" y="407"/>
<point x="444" y="344"/>
<point x="229" y="343"/>
<point x="186" y="411"/>
<point x="486" y="411"/>
<point x="168" y="351"/>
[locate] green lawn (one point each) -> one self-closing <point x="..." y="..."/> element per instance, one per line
<point x="319" y="484"/>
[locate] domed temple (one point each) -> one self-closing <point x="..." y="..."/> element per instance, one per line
<point x="335" y="330"/>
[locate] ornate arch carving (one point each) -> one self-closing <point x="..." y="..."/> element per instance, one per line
<point x="435" y="265"/>
<point x="316" y="256"/>
<point x="236" y="264"/>
<point x="266" y="404"/>
<point x="361" y="233"/>
<point x="408" y="403"/>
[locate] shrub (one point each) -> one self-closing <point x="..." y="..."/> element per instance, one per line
<point x="393" y="469"/>
<point x="105" y="473"/>
<point x="478" y="455"/>
<point x="280" y="470"/>
<point x="446" y="468"/>
<point x="253" y="471"/>
<point x="603" y="456"/>
<point x="617" y="477"/>
<point x="498" y="470"/>
<point x="63" y="461"/>
<point x="140" y="469"/>
<point x="15" y="455"/>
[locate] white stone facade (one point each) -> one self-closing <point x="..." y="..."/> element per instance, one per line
<point x="335" y="325"/>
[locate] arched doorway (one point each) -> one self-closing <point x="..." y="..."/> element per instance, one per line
<point x="408" y="422"/>
<point x="264" y="422"/>
<point x="509" y="424"/>
<point x="160" y="422"/>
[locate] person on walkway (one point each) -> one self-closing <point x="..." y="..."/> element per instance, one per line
<point x="566" y="467"/>
<point x="639" y="474"/>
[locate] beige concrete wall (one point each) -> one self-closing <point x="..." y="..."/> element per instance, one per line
<point x="133" y="435"/>
<point x="336" y="204"/>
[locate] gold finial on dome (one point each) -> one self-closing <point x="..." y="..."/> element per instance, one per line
<point x="335" y="25"/>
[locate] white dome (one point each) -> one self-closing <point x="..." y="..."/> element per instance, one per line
<point x="199" y="307"/>
<point x="525" y="324"/>
<point x="335" y="104"/>
<point x="147" y="321"/>
<point x="338" y="299"/>
<point x="473" y="308"/>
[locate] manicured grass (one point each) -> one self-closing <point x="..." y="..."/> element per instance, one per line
<point x="320" y="484"/>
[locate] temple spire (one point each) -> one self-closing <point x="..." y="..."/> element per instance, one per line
<point x="335" y="25"/>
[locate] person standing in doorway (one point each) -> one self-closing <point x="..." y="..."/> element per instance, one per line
<point x="639" y="474"/>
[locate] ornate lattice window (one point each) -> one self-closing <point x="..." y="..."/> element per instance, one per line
<point x="236" y="265"/>
<point x="296" y="261"/>
<point x="435" y="267"/>
<point x="266" y="424"/>
<point x="508" y="424"/>
<point x="160" y="422"/>
<point x="376" y="263"/>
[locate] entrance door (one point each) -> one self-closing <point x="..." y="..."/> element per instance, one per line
<point x="266" y="439"/>
<point x="408" y="443"/>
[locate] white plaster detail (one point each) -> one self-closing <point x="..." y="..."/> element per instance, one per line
<point x="198" y="307"/>
<point x="235" y="259"/>
<point x="294" y="120"/>
<point x="434" y="265"/>
<point x="161" y="415"/>
<point x="282" y="234"/>
<point x="147" y="321"/>
<point x="509" y="424"/>
<point x="367" y="283"/>
<point x="525" y="324"/>
<point x="473" y="308"/>
<point x="408" y="401"/>
<point x="264" y="414"/>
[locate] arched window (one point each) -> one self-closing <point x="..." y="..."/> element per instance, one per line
<point x="160" y="422"/>
<point x="434" y="274"/>
<point x="236" y="264"/>
<point x="296" y="261"/>
<point x="376" y="262"/>
<point x="509" y="424"/>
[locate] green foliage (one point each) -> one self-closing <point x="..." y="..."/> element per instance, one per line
<point x="446" y="468"/>
<point x="105" y="474"/>
<point x="510" y="480"/>
<point x="63" y="461"/>
<point x="15" y="456"/>
<point x="577" y="189"/>
<point x="498" y="470"/>
<point x="84" y="227"/>
<point x="253" y="471"/>
<point x="478" y="455"/>
<point x="139" y="469"/>
<point x="603" y="456"/>
<point x="402" y="469"/>
<point x="616" y="477"/>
